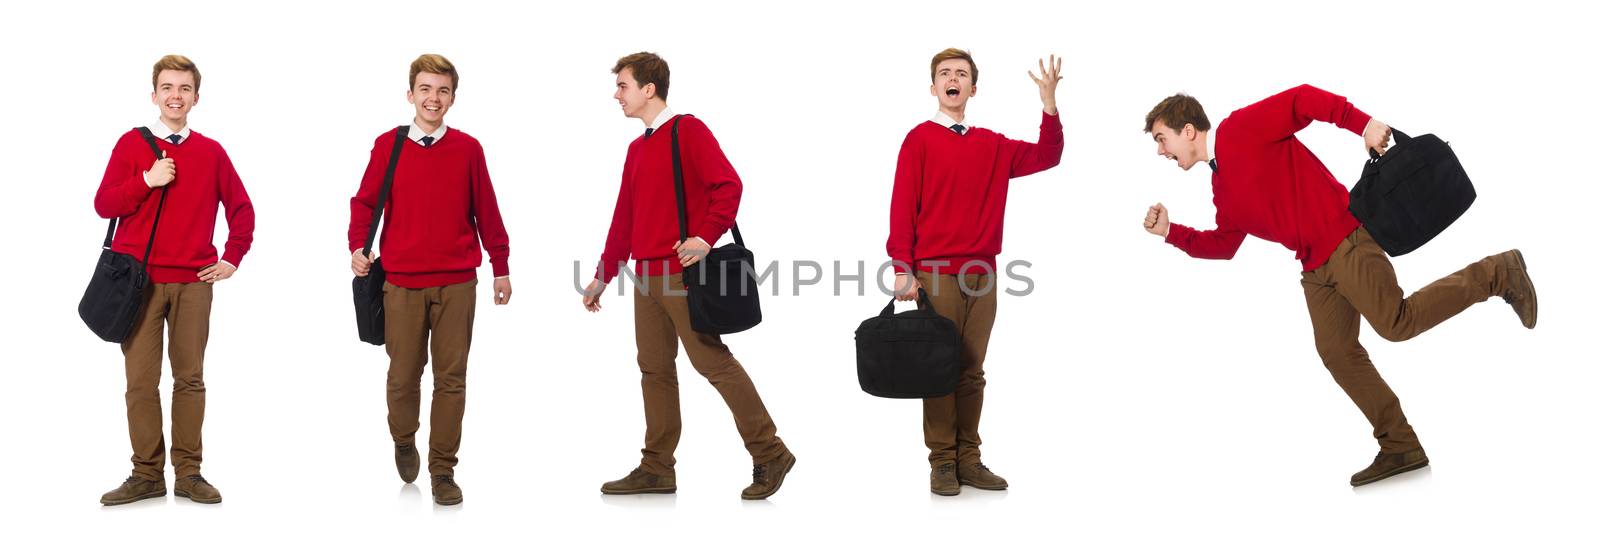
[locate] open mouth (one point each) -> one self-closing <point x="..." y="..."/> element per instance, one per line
<point x="952" y="92"/>
<point x="175" y="106"/>
<point x="431" y="107"/>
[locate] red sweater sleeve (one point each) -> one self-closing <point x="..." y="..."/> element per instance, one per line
<point x="1284" y="114"/>
<point x="237" y="209"/>
<point x="122" y="189"/>
<point x="904" y="203"/>
<point x="1216" y="244"/>
<point x="1029" y="158"/>
<point x="619" y="240"/>
<point x="486" y="210"/>
<point x="723" y="188"/>
<point x="366" y="199"/>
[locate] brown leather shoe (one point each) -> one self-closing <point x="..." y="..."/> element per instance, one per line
<point x="1519" y="290"/>
<point x="445" y="491"/>
<point x="407" y="461"/>
<point x="942" y="480"/>
<point x="979" y="476"/>
<point x="639" y="481"/>
<point x="767" y="477"/>
<point x="1386" y="465"/>
<point x="134" y="489"/>
<point x="196" y="488"/>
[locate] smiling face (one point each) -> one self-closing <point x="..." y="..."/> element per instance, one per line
<point x="953" y="84"/>
<point x="630" y="95"/>
<point x="1181" y="145"/>
<point x="175" y="94"/>
<point x="432" y="95"/>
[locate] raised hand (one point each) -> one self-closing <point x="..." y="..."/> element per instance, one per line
<point x="1047" y="79"/>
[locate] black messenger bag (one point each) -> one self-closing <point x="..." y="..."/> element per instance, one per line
<point x="368" y="290"/>
<point x="116" y="291"/>
<point x="915" y="354"/>
<point x="1411" y="193"/>
<point x="724" y="296"/>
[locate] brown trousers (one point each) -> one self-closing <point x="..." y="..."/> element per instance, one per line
<point x="410" y="315"/>
<point x="660" y="321"/>
<point x="186" y="307"/>
<point x="950" y="423"/>
<point x="1358" y="281"/>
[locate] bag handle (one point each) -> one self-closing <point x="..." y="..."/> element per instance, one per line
<point x="400" y="136"/>
<point x="1399" y="138"/>
<point x="111" y="227"/>
<point x="922" y="303"/>
<point x="677" y="183"/>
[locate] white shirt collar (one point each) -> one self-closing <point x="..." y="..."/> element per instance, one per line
<point x="161" y="131"/>
<point x="661" y="119"/>
<point x="416" y="134"/>
<point x="944" y="119"/>
<point x="1211" y="144"/>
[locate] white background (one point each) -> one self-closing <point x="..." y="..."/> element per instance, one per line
<point x="1137" y="396"/>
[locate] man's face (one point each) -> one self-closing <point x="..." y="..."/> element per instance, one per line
<point x="1180" y="145"/>
<point x="630" y="95"/>
<point x="175" y="94"/>
<point x="432" y="96"/>
<point x="952" y="83"/>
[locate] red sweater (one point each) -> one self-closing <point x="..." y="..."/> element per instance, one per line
<point x="1269" y="185"/>
<point x="205" y="177"/>
<point x="949" y="201"/>
<point x="645" y="222"/>
<point x="440" y="206"/>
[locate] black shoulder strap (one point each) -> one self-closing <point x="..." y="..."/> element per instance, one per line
<point x="677" y="182"/>
<point x="400" y="136"/>
<point x="161" y="204"/>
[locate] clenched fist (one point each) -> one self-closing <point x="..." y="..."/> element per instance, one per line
<point x="1156" y="221"/>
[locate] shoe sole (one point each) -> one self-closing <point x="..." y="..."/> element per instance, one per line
<point x="161" y="493"/>
<point x="946" y="494"/>
<point x="983" y="487"/>
<point x="777" y="486"/>
<point x="185" y="494"/>
<point x="447" y="503"/>
<point x="650" y="491"/>
<point x="1533" y="295"/>
<point x="1391" y="473"/>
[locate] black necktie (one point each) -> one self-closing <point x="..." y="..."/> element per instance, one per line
<point x="959" y="129"/>
<point x="649" y="130"/>
<point x="174" y="138"/>
<point x="1212" y="163"/>
<point x="427" y="141"/>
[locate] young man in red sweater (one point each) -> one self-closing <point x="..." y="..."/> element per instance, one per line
<point x="645" y="226"/>
<point x="1259" y="170"/>
<point x="440" y="206"/>
<point x="946" y="218"/>
<point x="183" y="266"/>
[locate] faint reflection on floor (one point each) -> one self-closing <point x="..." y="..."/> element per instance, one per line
<point x="138" y="505"/>
<point x="1410" y="480"/>
<point x="410" y="494"/>
<point x="970" y="495"/>
<point x="647" y="501"/>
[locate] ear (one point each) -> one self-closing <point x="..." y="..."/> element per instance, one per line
<point x="974" y="91"/>
<point x="196" y="100"/>
<point x="1189" y="131"/>
<point x="154" y="100"/>
<point x="410" y="98"/>
<point x="649" y="91"/>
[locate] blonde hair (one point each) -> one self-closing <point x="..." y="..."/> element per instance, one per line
<point x="434" y="64"/>
<point x="952" y="53"/>
<point x="179" y="63"/>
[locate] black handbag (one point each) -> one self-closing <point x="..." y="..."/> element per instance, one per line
<point x="724" y="296"/>
<point x="116" y="290"/>
<point x="368" y="290"/>
<point x="1410" y="194"/>
<point x="915" y="354"/>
